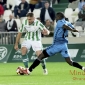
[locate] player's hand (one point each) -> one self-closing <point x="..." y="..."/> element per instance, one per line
<point x="45" y="32"/>
<point x="16" y="47"/>
<point x="74" y="30"/>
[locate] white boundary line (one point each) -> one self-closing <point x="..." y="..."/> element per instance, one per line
<point x="47" y="83"/>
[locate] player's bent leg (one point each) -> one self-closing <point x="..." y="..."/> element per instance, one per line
<point x="65" y="53"/>
<point x="51" y="50"/>
<point x="38" y="60"/>
<point x="43" y="55"/>
<point x="75" y="64"/>
<point x="69" y="61"/>
<point x="24" y="56"/>
<point x="23" y="50"/>
<point x="43" y="63"/>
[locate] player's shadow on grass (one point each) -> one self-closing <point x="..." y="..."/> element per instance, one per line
<point x="23" y="75"/>
<point x="11" y="75"/>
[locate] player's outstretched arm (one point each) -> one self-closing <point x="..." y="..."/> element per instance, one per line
<point x="69" y="28"/>
<point x="17" y="40"/>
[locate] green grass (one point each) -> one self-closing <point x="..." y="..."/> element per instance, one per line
<point x="59" y="74"/>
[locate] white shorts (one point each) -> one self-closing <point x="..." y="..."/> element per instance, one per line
<point x="36" y="45"/>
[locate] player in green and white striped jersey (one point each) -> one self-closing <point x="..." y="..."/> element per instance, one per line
<point x="33" y="29"/>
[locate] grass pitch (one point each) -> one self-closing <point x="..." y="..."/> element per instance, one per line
<point x="58" y="74"/>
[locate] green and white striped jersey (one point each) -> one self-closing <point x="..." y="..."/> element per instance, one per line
<point x="32" y="35"/>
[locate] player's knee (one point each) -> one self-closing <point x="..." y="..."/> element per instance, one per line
<point x="24" y="50"/>
<point x="38" y="52"/>
<point x="69" y="61"/>
<point x="44" y="54"/>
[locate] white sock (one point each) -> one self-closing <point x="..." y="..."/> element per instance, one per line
<point x="83" y="68"/>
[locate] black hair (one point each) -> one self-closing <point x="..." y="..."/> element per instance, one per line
<point x="60" y="14"/>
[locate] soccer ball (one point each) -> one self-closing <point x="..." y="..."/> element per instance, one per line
<point x="19" y="70"/>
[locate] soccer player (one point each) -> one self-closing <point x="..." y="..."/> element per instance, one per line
<point x="33" y="29"/>
<point x="59" y="43"/>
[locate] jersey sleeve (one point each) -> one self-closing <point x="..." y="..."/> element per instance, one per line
<point x="41" y="26"/>
<point x="60" y="24"/>
<point x="22" y="29"/>
<point x="70" y="25"/>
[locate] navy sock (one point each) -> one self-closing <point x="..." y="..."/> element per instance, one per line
<point x="35" y="64"/>
<point x="75" y="64"/>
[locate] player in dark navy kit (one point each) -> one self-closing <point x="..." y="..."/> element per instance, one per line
<point x="59" y="44"/>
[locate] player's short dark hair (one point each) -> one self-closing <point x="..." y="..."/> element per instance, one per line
<point x="30" y="14"/>
<point x="60" y="14"/>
